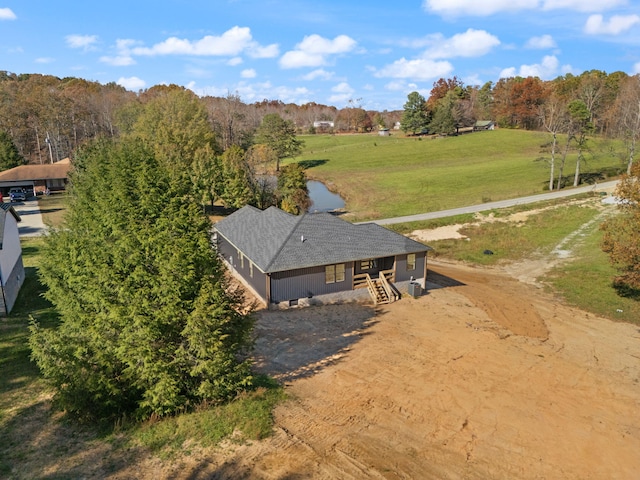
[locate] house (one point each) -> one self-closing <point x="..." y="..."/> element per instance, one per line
<point x="384" y="132"/>
<point x="484" y="125"/>
<point x="37" y="178"/>
<point x="11" y="267"/>
<point x="287" y="259"/>
<point x="323" y="124"/>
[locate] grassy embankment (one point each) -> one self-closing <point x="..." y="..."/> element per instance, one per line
<point x="383" y="177"/>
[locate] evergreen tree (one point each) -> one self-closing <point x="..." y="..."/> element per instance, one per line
<point x="443" y="120"/>
<point x="280" y="135"/>
<point x="147" y="321"/>
<point x="237" y="190"/>
<point x="9" y="155"/>
<point x="415" y="117"/>
<point x="292" y="189"/>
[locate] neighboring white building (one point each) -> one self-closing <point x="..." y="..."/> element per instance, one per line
<point x="11" y="267"/>
<point x="323" y="124"/>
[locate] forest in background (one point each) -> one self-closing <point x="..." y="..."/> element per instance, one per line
<point x="48" y="117"/>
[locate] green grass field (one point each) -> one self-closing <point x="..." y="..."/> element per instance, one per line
<point x="382" y="177"/>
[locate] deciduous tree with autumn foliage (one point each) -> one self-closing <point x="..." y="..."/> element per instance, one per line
<point x="622" y="234"/>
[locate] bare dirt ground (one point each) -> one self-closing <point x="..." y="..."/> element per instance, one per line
<point x="485" y="376"/>
<point x="482" y="377"/>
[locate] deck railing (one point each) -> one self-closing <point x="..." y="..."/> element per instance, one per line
<point x="360" y="280"/>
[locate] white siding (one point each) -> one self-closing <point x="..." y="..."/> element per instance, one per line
<point x="11" y="249"/>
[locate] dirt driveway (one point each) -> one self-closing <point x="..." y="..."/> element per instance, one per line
<point x="482" y="377"/>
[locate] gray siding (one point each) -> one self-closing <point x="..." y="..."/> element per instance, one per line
<point x="259" y="280"/>
<point x="402" y="274"/>
<point x="307" y="282"/>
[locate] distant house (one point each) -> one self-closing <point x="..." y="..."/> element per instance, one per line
<point x="11" y="267"/>
<point x="323" y="124"/>
<point x="484" y="125"/>
<point x="37" y="178"/>
<point x="384" y="132"/>
<point x="286" y="259"/>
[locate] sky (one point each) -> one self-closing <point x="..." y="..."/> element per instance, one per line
<point x="370" y="54"/>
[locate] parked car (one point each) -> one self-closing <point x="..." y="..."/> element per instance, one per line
<point x="17" y="194"/>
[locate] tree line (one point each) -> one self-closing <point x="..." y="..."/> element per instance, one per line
<point x="570" y="108"/>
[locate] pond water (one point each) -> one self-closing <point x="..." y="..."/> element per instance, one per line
<point x="322" y="200"/>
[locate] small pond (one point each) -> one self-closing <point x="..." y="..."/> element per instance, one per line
<point x="322" y="200"/>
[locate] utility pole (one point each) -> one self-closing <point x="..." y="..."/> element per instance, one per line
<point x="49" y="143"/>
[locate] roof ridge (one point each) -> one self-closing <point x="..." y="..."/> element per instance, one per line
<point x="286" y="240"/>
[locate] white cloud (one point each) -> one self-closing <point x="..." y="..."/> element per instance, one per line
<point x="473" y="80"/>
<point x="396" y="86"/>
<point x="342" y="92"/>
<point x="459" y="8"/>
<point x="248" y="73"/>
<point x="234" y="61"/>
<point x="123" y="57"/>
<point x="582" y="5"/>
<point x="233" y="42"/>
<point x="596" y="25"/>
<point x="343" y="87"/>
<point x="421" y="69"/>
<point x="472" y="43"/>
<point x="540" y="43"/>
<point x="314" y="50"/>
<point x="81" y="41"/>
<point x="7" y="14"/>
<point x="318" y="74"/>
<point x="132" y="83"/>
<point x="45" y="60"/>
<point x="544" y="70"/>
<point x="481" y="8"/>
<point x="636" y="68"/>
<point x="118" y="60"/>
<point x="508" y="72"/>
<point x="255" y="92"/>
<point x="257" y="51"/>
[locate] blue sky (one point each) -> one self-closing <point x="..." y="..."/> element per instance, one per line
<point x="374" y="53"/>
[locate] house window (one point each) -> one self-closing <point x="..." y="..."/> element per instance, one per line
<point x="368" y="264"/>
<point x="251" y="269"/>
<point x="241" y="261"/>
<point x="334" y="273"/>
<point x="411" y="261"/>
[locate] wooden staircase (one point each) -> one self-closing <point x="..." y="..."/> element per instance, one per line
<point x="381" y="291"/>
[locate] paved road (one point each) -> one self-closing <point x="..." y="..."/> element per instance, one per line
<point x="567" y="192"/>
<point x="31" y="224"/>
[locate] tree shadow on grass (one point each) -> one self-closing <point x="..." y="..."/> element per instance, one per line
<point x="306" y="164"/>
<point x="36" y="444"/>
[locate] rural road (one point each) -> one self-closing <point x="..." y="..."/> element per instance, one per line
<point x="600" y="187"/>
<point x="31" y="224"/>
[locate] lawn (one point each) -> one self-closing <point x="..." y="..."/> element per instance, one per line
<point x="382" y="177"/>
<point x="379" y="177"/>
<point x="52" y="208"/>
<point x="37" y="440"/>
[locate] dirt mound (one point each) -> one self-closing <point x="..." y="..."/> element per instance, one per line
<point x="482" y="377"/>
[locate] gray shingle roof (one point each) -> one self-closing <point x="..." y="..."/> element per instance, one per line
<point x="276" y="241"/>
